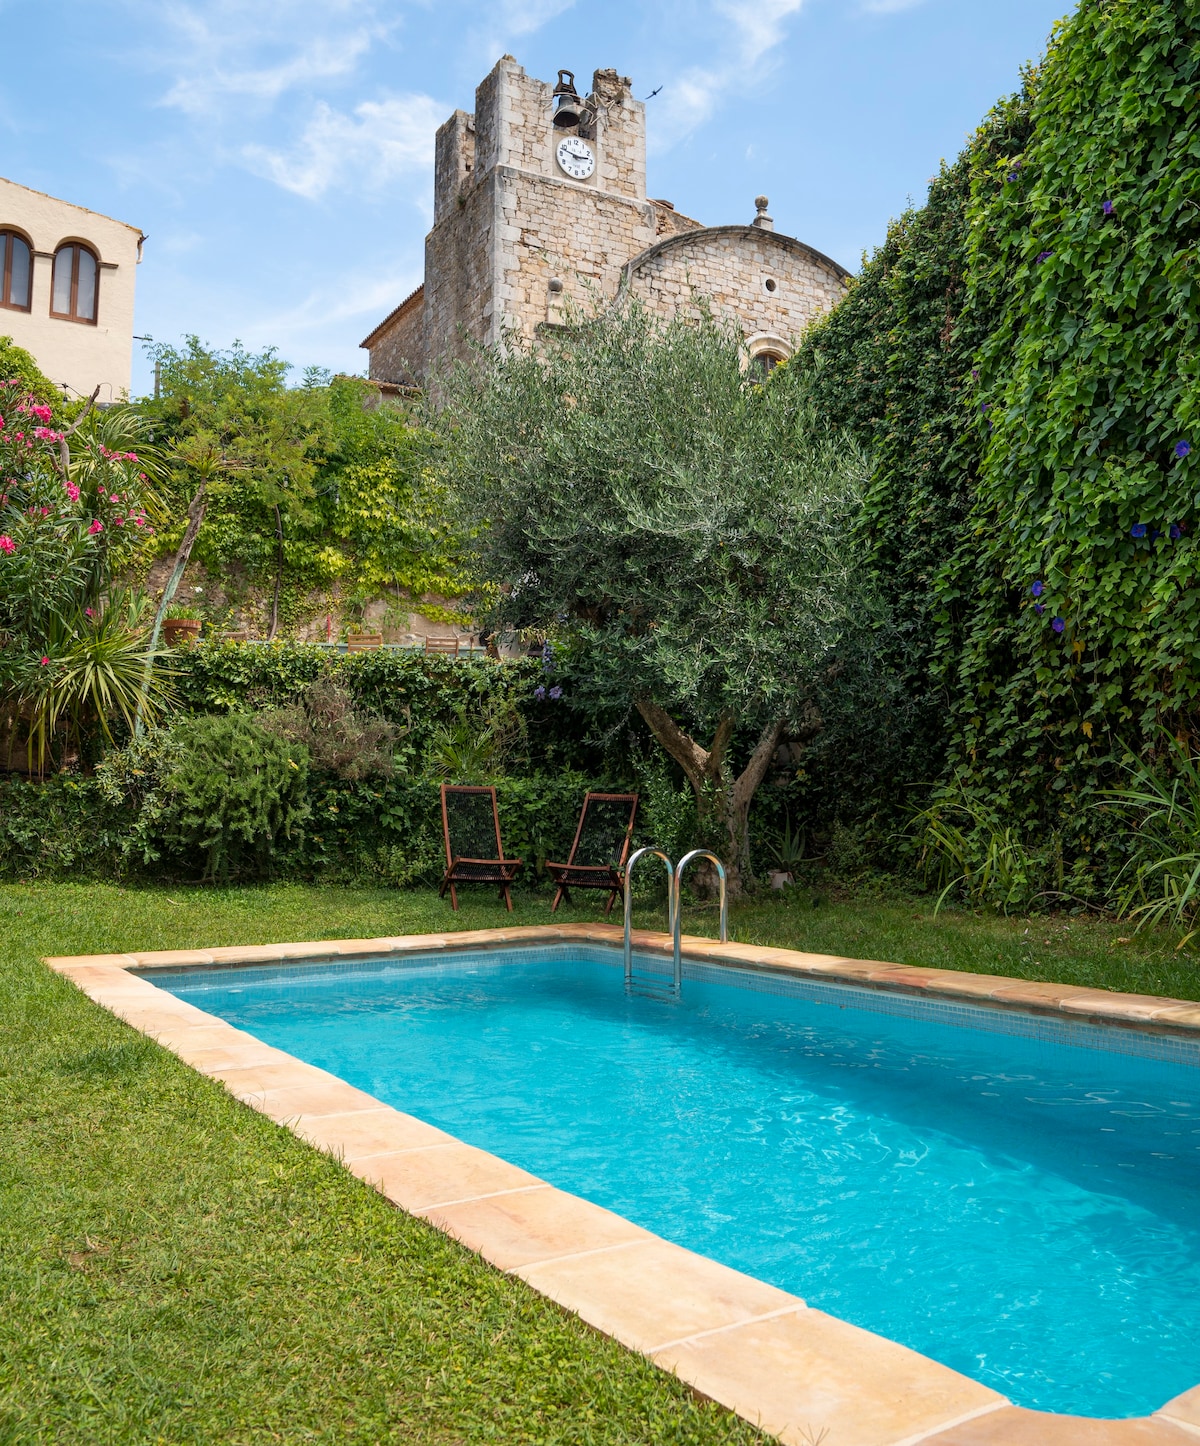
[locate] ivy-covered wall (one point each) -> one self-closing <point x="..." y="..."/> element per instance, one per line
<point x="1021" y="355"/>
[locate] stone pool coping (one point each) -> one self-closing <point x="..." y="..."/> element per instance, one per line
<point x="765" y="1354"/>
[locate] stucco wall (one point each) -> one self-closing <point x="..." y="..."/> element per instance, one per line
<point x="75" y="353"/>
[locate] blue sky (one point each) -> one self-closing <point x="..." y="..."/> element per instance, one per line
<point x="278" y="153"/>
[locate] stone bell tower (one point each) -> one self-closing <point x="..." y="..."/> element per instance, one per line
<point x="540" y="202"/>
<point x="516" y="236"/>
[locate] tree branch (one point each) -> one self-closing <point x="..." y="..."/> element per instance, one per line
<point x="64" y="451"/>
<point x="752" y="775"/>
<point x="716" y="754"/>
<point x="685" y="751"/>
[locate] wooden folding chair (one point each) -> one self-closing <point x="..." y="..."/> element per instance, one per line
<point x="601" y="846"/>
<point x="448" y="647"/>
<point x="474" y="852"/>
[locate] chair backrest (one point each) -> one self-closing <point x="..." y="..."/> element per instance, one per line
<point x="449" y="646"/>
<point x="470" y="823"/>
<point x="605" y="829"/>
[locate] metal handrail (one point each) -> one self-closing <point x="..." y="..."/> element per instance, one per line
<point x="676" y="931"/>
<point x="672" y="904"/>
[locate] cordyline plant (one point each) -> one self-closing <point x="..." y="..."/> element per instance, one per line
<point x="73" y="513"/>
<point x="633" y="490"/>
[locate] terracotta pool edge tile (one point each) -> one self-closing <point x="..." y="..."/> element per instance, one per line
<point x="1183" y="1410"/>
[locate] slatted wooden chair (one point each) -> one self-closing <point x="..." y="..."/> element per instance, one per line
<point x="474" y="853"/>
<point x="597" y="857"/>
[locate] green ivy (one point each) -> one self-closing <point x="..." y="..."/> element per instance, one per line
<point x="1022" y="357"/>
<point x="1087" y="399"/>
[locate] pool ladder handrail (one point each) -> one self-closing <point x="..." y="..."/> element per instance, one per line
<point x="676" y="932"/>
<point x="671" y="903"/>
<point x="674" y="907"/>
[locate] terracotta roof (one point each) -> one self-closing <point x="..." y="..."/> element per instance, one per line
<point x="393" y="315"/>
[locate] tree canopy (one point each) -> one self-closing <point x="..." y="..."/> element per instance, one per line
<point x="683" y="528"/>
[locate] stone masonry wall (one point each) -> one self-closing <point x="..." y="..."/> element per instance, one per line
<point x="400" y="348"/>
<point x="772" y="285"/>
<point x="516" y="244"/>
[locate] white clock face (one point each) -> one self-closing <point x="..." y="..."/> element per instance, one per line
<point x="576" y="158"/>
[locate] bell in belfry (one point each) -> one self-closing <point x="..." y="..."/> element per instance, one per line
<point x="567" y="105"/>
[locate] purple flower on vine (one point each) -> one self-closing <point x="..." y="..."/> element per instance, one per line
<point x="1174" y="532"/>
<point x="1038" y="588"/>
<point x="975" y="373"/>
<point x="1058" y="625"/>
<point x="1107" y="208"/>
<point x="1039" y="608"/>
<point x="1012" y="175"/>
<point x="1138" y="530"/>
<point x="1044" y="256"/>
<point x="983" y="406"/>
<point x="556" y="692"/>
<point x="1182" y="448"/>
<point x="539" y="692"/>
<point x="1155" y="535"/>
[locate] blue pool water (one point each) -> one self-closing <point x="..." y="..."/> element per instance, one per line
<point x="1017" y="1206"/>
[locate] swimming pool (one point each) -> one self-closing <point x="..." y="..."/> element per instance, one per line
<point x="998" y="1191"/>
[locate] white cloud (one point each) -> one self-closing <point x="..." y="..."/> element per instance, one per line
<point x="366" y="296"/>
<point x="752" y="29"/>
<point x="380" y="142"/>
<point x="227" y="51"/>
<point x="511" y="19"/>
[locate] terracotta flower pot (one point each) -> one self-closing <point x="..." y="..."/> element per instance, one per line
<point x="181" y="632"/>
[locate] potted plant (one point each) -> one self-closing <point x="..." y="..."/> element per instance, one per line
<point x="181" y="627"/>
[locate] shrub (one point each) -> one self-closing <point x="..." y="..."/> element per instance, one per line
<point x="231" y="791"/>
<point x="339" y="739"/>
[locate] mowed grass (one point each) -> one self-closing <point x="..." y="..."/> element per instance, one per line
<point x="175" y="1268"/>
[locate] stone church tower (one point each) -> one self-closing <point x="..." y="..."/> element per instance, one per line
<point x="532" y="213"/>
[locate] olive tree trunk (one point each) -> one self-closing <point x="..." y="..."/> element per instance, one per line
<point x="723" y="800"/>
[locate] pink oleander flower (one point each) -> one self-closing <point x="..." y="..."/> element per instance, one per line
<point x="97" y="526"/>
<point x="45" y="661"/>
<point x="72" y="491"/>
<point x="7" y="545"/>
<point x="118" y="522"/>
<point x="140" y="521"/>
<point x="114" y="498"/>
<point x="87" y="612"/>
<point x="41" y="411"/>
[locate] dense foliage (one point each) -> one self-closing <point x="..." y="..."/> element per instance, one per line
<point x="1021" y="356"/>
<point x="309" y="489"/>
<point x="682" y="530"/>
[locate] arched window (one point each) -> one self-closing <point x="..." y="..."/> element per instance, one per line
<point x="76" y="282"/>
<point x="763" y="363"/>
<point x="15" y="271"/>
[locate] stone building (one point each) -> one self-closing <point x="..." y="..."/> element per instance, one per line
<point x="66" y="289"/>
<point x="540" y="202"/>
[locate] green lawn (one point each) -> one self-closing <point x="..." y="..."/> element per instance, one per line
<point x="175" y="1268"/>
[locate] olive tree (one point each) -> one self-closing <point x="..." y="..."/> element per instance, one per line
<point x="630" y="485"/>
